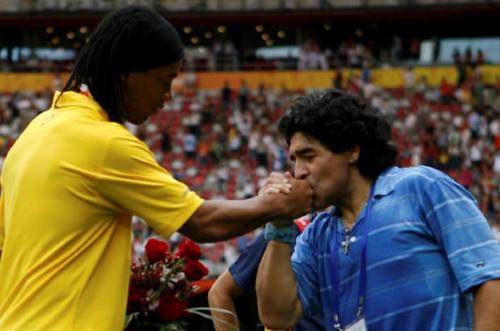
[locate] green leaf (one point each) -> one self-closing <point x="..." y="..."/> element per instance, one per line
<point x="200" y="311"/>
<point x="129" y="319"/>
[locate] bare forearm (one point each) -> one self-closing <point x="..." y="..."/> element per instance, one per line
<point x="227" y="304"/>
<point x="221" y="296"/>
<point x="220" y="220"/>
<point x="279" y="307"/>
<point x="487" y="307"/>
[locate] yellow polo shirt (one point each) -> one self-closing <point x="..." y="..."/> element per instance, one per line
<point x="69" y="187"/>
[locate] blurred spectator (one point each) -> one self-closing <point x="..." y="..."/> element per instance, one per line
<point x="468" y="57"/>
<point x="480" y="57"/>
<point x="396" y="49"/>
<point x="414" y="49"/>
<point x="337" y="79"/>
<point x="190" y="145"/>
<point x="447" y="91"/>
<point x="226" y="55"/>
<point x="311" y="57"/>
<point x="457" y="60"/>
<point x="166" y="145"/>
<point x="366" y="72"/>
<point x="226" y="95"/>
<point x="243" y="95"/>
<point x="409" y="81"/>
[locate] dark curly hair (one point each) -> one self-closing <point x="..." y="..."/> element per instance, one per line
<point x="341" y="121"/>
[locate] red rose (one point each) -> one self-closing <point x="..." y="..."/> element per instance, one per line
<point x="189" y="250"/>
<point x="136" y="299"/>
<point x="170" y="308"/>
<point x="156" y="250"/>
<point x="195" y="270"/>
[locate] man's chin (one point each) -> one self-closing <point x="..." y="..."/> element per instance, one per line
<point x="318" y="205"/>
<point x="137" y="121"/>
<point x="321" y="204"/>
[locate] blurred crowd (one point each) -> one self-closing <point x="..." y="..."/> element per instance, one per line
<point x="223" y="54"/>
<point x="354" y="53"/>
<point x="223" y="144"/>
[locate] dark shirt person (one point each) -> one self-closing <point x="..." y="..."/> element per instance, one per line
<point x="226" y="96"/>
<point x="234" y="291"/>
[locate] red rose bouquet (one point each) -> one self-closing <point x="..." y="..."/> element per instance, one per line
<point x="160" y="285"/>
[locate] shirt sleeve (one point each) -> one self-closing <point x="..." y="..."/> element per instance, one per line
<point x="134" y="181"/>
<point x="305" y="267"/>
<point x="462" y="232"/>
<point x="2" y="226"/>
<point x="244" y="270"/>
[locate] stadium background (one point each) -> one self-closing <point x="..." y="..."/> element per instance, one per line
<point x="432" y="66"/>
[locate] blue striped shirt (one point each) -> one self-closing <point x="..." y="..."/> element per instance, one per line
<point x="428" y="245"/>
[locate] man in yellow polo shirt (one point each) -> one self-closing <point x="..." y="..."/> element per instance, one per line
<point x="75" y="176"/>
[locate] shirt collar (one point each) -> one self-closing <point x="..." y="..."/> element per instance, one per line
<point x="71" y="99"/>
<point x="386" y="182"/>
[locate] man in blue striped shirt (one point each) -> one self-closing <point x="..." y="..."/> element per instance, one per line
<point x="403" y="249"/>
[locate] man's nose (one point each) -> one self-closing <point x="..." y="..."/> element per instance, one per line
<point x="300" y="171"/>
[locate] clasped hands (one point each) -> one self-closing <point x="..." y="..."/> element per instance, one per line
<point x="296" y="194"/>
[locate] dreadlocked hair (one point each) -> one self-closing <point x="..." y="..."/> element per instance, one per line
<point x="98" y="63"/>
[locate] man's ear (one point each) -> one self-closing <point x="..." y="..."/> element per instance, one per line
<point x="354" y="154"/>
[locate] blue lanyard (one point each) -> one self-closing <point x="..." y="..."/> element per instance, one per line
<point x="362" y="268"/>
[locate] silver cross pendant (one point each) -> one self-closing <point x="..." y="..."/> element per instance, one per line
<point x="345" y="245"/>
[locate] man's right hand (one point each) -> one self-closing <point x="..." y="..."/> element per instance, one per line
<point x="218" y="220"/>
<point x="294" y="201"/>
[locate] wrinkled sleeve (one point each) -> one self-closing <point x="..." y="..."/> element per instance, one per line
<point x="132" y="179"/>
<point x="305" y="267"/>
<point x="244" y="270"/>
<point x="2" y="226"/>
<point x="463" y="233"/>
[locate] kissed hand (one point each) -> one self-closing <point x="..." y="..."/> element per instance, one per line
<point x="295" y="196"/>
